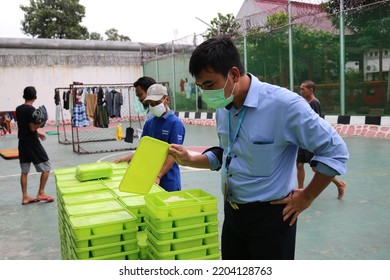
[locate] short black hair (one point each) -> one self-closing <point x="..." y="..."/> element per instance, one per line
<point x="218" y="53"/>
<point x="29" y="93"/>
<point x="144" y="82"/>
<point x="309" y="84"/>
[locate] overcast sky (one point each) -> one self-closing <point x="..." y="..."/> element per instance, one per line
<point x="155" y="21"/>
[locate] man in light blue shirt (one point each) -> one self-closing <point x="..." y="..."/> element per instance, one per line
<point x="260" y="127"/>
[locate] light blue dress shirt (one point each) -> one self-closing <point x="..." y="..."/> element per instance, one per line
<point x="276" y="122"/>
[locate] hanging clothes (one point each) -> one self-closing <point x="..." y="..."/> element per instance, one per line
<point x="91" y="103"/>
<point x="108" y="98"/>
<point x="57" y="97"/>
<point x="114" y="102"/>
<point x="117" y="102"/>
<point x="100" y="118"/>
<point x="57" y="100"/>
<point x="79" y="116"/>
<point x="79" y="112"/>
<point x="66" y="99"/>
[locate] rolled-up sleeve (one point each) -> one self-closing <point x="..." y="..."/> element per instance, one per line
<point x="311" y="132"/>
<point x="214" y="155"/>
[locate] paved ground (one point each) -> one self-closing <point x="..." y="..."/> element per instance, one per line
<point x="355" y="228"/>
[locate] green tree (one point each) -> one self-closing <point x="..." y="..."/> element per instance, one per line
<point x="369" y="20"/>
<point x="95" y="36"/>
<point x="56" y="19"/>
<point x="277" y="20"/>
<point x="226" y="25"/>
<point x="113" y="35"/>
<point x="315" y="52"/>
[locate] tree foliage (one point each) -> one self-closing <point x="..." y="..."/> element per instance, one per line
<point x="113" y="35"/>
<point x="369" y="20"/>
<point x="95" y="36"/>
<point x="268" y="49"/>
<point x="223" y="24"/>
<point x="56" y="19"/>
<point x="277" y="20"/>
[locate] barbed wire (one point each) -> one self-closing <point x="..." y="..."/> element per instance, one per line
<point x="310" y="15"/>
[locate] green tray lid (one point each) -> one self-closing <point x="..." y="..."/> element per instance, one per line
<point x="101" y="219"/>
<point x="133" y="201"/>
<point x="93" y="208"/>
<point x="145" y="165"/>
<point x="102" y="195"/>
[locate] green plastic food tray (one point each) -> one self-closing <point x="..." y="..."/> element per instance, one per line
<point x="93" y="171"/>
<point x="107" y="249"/>
<point x="198" y="252"/>
<point x="170" y="222"/>
<point x="130" y="255"/>
<point x="208" y="201"/>
<point x="180" y="203"/>
<point x="93" y="208"/>
<point x="64" y="170"/>
<point x="181" y="232"/>
<point x="171" y="204"/>
<point x="98" y="196"/>
<point x="155" y="188"/>
<point x="105" y="223"/>
<point x="183" y="243"/>
<point x="134" y="204"/>
<point x="145" y="165"/>
<point x="68" y="187"/>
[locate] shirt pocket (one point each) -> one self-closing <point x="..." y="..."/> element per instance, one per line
<point x="261" y="159"/>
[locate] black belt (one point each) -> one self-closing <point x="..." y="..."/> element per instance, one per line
<point x="249" y="205"/>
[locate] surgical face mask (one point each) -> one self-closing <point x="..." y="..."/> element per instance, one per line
<point x="157" y="110"/>
<point x="139" y="107"/>
<point x="215" y="98"/>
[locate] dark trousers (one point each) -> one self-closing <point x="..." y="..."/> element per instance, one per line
<point x="256" y="231"/>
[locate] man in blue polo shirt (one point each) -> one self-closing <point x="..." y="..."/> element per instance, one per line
<point x="165" y="126"/>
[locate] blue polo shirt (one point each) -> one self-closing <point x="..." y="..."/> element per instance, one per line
<point x="168" y="128"/>
<point x="276" y="122"/>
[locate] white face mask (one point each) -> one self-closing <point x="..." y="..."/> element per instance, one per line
<point x="157" y="110"/>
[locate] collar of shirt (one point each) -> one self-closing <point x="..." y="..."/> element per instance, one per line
<point x="168" y="114"/>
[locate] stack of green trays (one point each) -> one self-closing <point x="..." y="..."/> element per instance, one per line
<point x="182" y="225"/>
<point x="108" y="235"/>
<point x="93" y="224"/>
<point x="142" y="245"/>
<point x="135" y="203"/>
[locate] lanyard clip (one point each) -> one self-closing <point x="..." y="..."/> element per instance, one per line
<point x="228" y="160"/>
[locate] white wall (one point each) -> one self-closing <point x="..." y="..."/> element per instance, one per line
<point x="46" y="78"/>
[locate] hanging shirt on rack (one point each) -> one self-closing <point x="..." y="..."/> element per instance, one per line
<point x="79" y="113"/>
<point x="91" y="103"/>
<point x="117" y="102"/>
<point x="66" y="98"/>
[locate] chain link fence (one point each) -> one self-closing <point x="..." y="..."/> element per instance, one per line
<point x="351" y="71"/>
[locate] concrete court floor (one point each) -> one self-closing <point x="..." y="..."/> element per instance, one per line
<point x="355" y="228"/>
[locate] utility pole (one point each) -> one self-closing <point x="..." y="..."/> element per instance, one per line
<point x="342" y="60"/>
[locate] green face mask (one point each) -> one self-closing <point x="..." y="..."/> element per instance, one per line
<point x="215" y="98"/>
<point x="139" y="107"/>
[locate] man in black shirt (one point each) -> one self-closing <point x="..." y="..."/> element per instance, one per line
<point x="30" y="147"/>
<point x="304" y="156"/>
